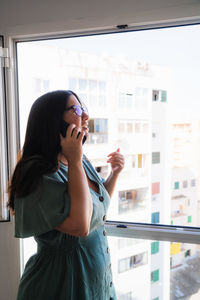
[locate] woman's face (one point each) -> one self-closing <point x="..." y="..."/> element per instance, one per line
<point x="72" y="118"/>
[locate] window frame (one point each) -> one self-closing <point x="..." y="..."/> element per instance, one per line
<point x="3" y="139"/>
<point x="115" y="228"/>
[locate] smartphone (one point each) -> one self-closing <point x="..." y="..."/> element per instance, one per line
<point x="63" y="129"/>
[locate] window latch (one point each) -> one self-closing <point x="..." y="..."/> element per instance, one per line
<point x="4" y="57"/>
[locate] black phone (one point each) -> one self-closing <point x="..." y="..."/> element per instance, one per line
<point x="63" y="129"/>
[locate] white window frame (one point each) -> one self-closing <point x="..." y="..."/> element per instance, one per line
<point x="114" y="228"/>
<point x="3" y="137"/>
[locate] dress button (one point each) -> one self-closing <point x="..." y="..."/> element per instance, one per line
<point x="101" y="198"/>
<point x="104" y="232"/>
<point x="111" y="284"/>
<point x="104" y="218"/>
<point x="108" y="250"/>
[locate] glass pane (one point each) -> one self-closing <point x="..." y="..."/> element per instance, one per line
<point x="150" y="111"/>
<point x="138" y="107"/>
<point x="144" y="269"/>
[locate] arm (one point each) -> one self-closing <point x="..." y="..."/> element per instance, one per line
<point x="78" y="221"/>
<point x="117" y="164"/>
<point x="110" y="183"/>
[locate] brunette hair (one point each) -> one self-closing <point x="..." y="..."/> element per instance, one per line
<point x="42" y="144"/>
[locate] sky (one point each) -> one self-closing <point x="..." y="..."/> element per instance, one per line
<point x="177" y="47"/>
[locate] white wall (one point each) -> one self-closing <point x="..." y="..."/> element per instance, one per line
<point x="22" y="17"/>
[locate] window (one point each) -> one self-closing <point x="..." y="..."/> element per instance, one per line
<point x="193" y="182"/>
<point x="132" y="200"/>
<point x="41" y="85"/>
<point x="91" y="91"/>
<point x="185" y="184"/>
<point x="155" y="95"/>
<point x="127" y="296"/>
<point x="154" y="247"/>
<point x="98" y="129"/>
<point x="176" y="185"/>
<point x="155" y="217"/>
<point x="82" y="83"/>
<point x="105" y="78"/>
<point x="125" y="100"/>
<point x="155" y="188"/>
<point x="125" y="243"/>
<point x="159" y="95"/>
<point x="72" y="84"/>
<point x="163" y="96"/>
<point x="155" y="157"/>
<point x="155" y="276"/>
<point x="132" y="262"/>
<point x="92" y="85"/>
<point x="4" y="214"/>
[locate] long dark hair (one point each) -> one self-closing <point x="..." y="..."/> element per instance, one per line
<point x="42" y="144"/>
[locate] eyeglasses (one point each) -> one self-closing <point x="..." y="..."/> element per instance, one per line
<point x="78" y="110"/>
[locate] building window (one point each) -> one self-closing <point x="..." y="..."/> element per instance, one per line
<point x="155" y="188"/>
<point x="188" y="253"/>
<point x="41" y="85"/>
<point x="155" y="157"/>
<point x="139" y="160"/>
<point x="175" y="248"/>
<point x="154" y="247"/>
<point x="155" y="95"/>
<point x="133" y="161"/>
<point x="163" y="96"/>
<point x="72" y="84"/>
<point x="155" y="217"/>
<point x="90" y="91"/>
<point x="126" y="242"/>
<point x="193" y="182"/>
<point x="92" y="85"/>
<point x="98" y="131"/>
<point x="130" y="200"/>
<point x="125" y="100"/>
<point x="82" y="84"/>
<point x="127" y="296"/>
<point x="176" y="185"/>
<point x="185" y="184"/>
<point x="159" y="95"/>
<point x="132" y="262"/>
<point x="155" y="276"/>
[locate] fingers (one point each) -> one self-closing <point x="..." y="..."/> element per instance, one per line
<point x="116" y="160"/>
<point x="117" y="151"/>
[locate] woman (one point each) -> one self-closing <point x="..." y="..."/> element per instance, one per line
<point x="58" y="197"/>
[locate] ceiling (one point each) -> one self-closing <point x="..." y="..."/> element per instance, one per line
<point x="25" y="17"/>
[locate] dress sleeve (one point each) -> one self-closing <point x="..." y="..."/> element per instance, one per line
<point x="42" y="210"/>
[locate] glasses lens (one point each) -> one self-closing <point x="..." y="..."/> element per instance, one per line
<point x="84" y="109"/>
<point x="78" y="110"/>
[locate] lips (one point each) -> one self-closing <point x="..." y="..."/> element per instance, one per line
<point x="85" y="127"/>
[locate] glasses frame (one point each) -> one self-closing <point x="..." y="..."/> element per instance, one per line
<point x="74" y="107"/>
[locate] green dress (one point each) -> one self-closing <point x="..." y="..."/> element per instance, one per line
<point x="65" y="267"/>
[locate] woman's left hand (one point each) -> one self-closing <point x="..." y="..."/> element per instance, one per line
<point x="116" y="160"/>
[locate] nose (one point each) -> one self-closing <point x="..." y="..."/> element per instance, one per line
<point x="85" y="116"/>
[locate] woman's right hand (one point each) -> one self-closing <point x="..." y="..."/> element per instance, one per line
<point x="72" y="145"/>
